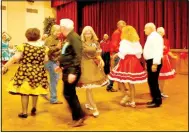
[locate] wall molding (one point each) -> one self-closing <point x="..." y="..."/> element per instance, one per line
<point x="31" y="10"/>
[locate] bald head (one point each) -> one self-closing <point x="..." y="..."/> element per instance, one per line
<point x="161" y="31"/>
<point x="106" y="37"/>
<point x="121" y="24"/>
<point x="149" y="28"/>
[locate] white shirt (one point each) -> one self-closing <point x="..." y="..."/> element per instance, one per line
<point x="129" y="48"/>
<point x="153" y="48"/>
<point x="36" y="43"/>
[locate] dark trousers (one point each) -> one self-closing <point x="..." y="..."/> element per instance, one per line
<point x="106" y="59"/>
<point x="71" y="96"/>
<point x="153" y="82"/>
<point x="111" y="82"/>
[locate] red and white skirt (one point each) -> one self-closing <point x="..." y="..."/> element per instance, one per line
<point x="166" y="71"/>
<point x="129" y="70"/>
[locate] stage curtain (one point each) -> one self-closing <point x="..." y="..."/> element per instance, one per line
<point x="172" y="15"/>
<point x="56" y="3"/>
<point x="68" y="10"/>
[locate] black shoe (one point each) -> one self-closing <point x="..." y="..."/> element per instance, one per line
<point x="21" y="115"/>
<point x="111" y="90"/>
<point x="153" y="105"/>
<point x="33" y="111"/>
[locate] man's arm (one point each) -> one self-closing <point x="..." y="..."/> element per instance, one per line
<point x="114" y="42"/>
<point x="158" y="50"/>
<point x="77" y="47"/>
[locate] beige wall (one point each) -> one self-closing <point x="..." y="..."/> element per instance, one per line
<point x="15" y="19"/>
<point x="4" y="17"/>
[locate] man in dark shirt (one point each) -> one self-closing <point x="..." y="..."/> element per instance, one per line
<point x="70" y="61"/>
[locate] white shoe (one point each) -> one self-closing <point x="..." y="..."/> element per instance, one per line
<point x="163" y="95"/>
<point x="96" y="113"/>
<point x="131" y="104"/>
<point x="87" y="106"/>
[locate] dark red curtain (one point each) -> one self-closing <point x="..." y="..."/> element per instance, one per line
<point x="68" y="10"/>
<point x="172" y="15"/>
<point x="103" y="16"/>
<point x="56" y="3"/>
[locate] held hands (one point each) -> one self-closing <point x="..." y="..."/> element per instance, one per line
<point x="175" y="57"/>
<point x="114" y="56"/>
<point x="71" y="78"/>
<point x="154" y="68"/>
<point x="101" y="64"/>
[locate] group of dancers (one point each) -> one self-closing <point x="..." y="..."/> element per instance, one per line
<point x="84" y="63"/>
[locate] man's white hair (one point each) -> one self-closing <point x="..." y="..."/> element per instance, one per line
<point x="161" y="29"/>
<point x="67" y="23"/>
<point x="151" y="25"/>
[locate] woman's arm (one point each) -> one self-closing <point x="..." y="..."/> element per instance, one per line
<point x="138" y="51"/>
<point x="172" y="55"/>
<point x="16" y="57"/>
<point x="123" y="48"/>
<point x="46" y="59"/>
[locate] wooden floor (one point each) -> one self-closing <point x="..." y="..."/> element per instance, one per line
<point x="171" y="116"/>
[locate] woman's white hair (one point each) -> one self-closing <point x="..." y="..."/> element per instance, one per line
<point x="151" y="25"/>
<point x="94" y="36"/>
<point x="161" y="29"/>
<point x="67" y="23"/>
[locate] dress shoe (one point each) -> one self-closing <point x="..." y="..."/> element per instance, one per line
<point x="153" y="105"/>
<point x="33" y="111"/>
<point x="111" y="90"/>
<point x="21" y="115"/>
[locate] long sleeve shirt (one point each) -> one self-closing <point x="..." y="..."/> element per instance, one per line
<point x="52" y="43"/>
<point x="153" y="48"/>
<point x="129" y="48"/>
<point x="115" y="40"/>
<point x="71" y="52"/>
